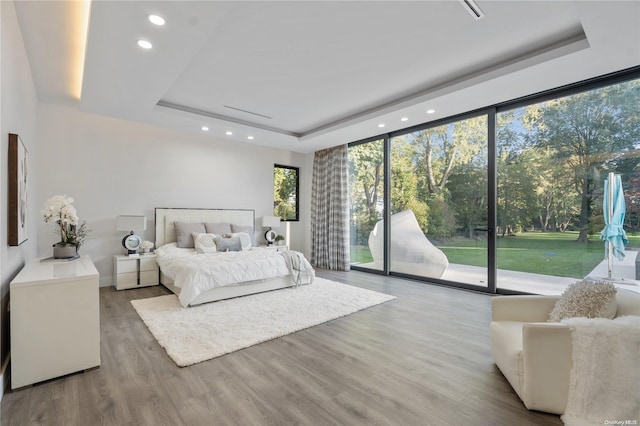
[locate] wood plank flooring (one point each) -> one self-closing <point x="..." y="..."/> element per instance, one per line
<point x="421" y="359"/>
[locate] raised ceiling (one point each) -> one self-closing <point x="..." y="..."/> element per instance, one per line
<point x="306" y="75"/>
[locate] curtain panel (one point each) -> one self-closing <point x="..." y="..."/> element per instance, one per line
<point x="330" y="209"/>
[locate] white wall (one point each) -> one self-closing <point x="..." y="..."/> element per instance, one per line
<point x="18" y="114"/>
<point x="112" y="167"/>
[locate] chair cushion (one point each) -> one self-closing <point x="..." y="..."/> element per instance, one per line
<point x="506" y="348"/>
<point x="590" y="299"/>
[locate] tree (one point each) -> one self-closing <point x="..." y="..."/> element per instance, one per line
<point x="588" y="131"/>
<point x="469" y="198"/>
<point x="404" y="182"/>
<point x="285" y="184"/>
<point x="366" y="167"/>
<point x="440" y="149"/>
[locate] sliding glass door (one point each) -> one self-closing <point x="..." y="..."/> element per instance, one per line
<point x="437" y="226"/>
<point x="439" y="201"/>
<point x="509" y="199"/>
<point x="366" y="197"/>
<point x="552" y="160"/>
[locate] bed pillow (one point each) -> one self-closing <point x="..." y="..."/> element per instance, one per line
<point x="228" y="244"/>
<point x="245" y="228"/>
<point x="184" y="239"/>
<point x="205" y="243"/>
<point x="218" y="228"/>
<point x="245" y="240"/>
<point x="590" y="299"/>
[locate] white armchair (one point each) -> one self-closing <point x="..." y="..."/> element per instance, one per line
<point x="535" y="356"/>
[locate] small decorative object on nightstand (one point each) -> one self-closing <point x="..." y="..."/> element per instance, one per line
<point x="134" y="272"/>
<point x="131" y="242"/>
<point x="146" y="246"/>
<point x="270" y="222"/>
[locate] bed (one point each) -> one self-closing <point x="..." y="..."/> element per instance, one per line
<point x="171" y="278"/>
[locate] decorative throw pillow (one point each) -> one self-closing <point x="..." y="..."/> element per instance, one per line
<point x="590" y="299"/>
<point x="184" y="239"/>
<point x="218" y="228"/>
<point x="245" y="240"/>
<point x="205" y="243"/>
<point x="228" y="244"/>
<point x="244" y="228"/>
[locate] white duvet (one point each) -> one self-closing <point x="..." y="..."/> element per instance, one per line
<point x="194" y="273"/>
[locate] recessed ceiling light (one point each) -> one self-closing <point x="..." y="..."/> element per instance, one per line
<point x="144" y="44"/>
<point x="205" y="128"/>
<point x="155" y="19"/>
<point x="431" y="111"/>
<point x="404" y="119"/>
<point x="229" y="133"/>
<point x="381" y="125"/>
<point x="250" y="137"/>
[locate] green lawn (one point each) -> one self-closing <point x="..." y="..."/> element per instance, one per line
<point x="549" y="253"/>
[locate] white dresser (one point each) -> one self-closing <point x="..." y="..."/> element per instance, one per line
<point x="55" y="320"/>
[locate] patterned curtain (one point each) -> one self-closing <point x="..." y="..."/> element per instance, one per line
<point x="330" y="209"/>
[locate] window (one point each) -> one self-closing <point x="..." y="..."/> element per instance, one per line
<point x="439" y="201"/>
<point x="285" y="192"/>
<point x="509" y="197"/>
<point x="366" y="195"/>
<point x="552" y="159"/>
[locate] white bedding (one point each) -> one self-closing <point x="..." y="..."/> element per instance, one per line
<point x="194" y="273"/>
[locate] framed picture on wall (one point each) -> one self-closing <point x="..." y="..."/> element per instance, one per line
<point x="17" y="191"/>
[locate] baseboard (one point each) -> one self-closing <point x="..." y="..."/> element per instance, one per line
<point x="4" y="376"/>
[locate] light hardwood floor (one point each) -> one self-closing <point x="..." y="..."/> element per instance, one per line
<point x="421" y="359"/>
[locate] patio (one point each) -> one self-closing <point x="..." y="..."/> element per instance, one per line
<point x="623" y="276"/>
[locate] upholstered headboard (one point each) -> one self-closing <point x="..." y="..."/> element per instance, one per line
<point x="165" y="218"/>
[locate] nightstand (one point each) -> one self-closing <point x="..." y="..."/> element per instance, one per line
<point x="134" y="272"/>
<point x="274" y="247"/>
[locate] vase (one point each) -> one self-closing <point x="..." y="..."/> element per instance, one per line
<point x="64" y="251"/>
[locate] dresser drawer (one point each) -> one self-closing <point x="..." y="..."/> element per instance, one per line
<point x="148" y="265"/>
<point x="127" y="279"/>
<point x="128" y="265"/>
<point x="149" y="277"/>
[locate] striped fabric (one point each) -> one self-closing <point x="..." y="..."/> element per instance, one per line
<point x="330" y="209"/>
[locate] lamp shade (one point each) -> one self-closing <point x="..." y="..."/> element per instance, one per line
<point x="271" y="222"/>
<point x="131" y="223"/>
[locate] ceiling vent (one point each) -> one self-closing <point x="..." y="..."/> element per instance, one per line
<point x="473" y="9"/>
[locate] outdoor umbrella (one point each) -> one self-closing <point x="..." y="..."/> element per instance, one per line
<point x="614" y="208"/>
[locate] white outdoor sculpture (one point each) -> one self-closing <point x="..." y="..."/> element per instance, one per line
<point x="411" y="252"/>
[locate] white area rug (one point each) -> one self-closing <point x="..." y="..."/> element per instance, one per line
<point x="192" y="335"/>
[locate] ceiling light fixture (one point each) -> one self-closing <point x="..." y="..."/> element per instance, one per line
<point x="250" y="138"/>
<point x="156" y="20"/>
<point x="381" y="125"/>
<point x="404" y="119"/>
<point x="431" y="111"/>
<point x="144" y="44"/>
<point x="229" y="133"/>
<point x="205" y="128"/>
